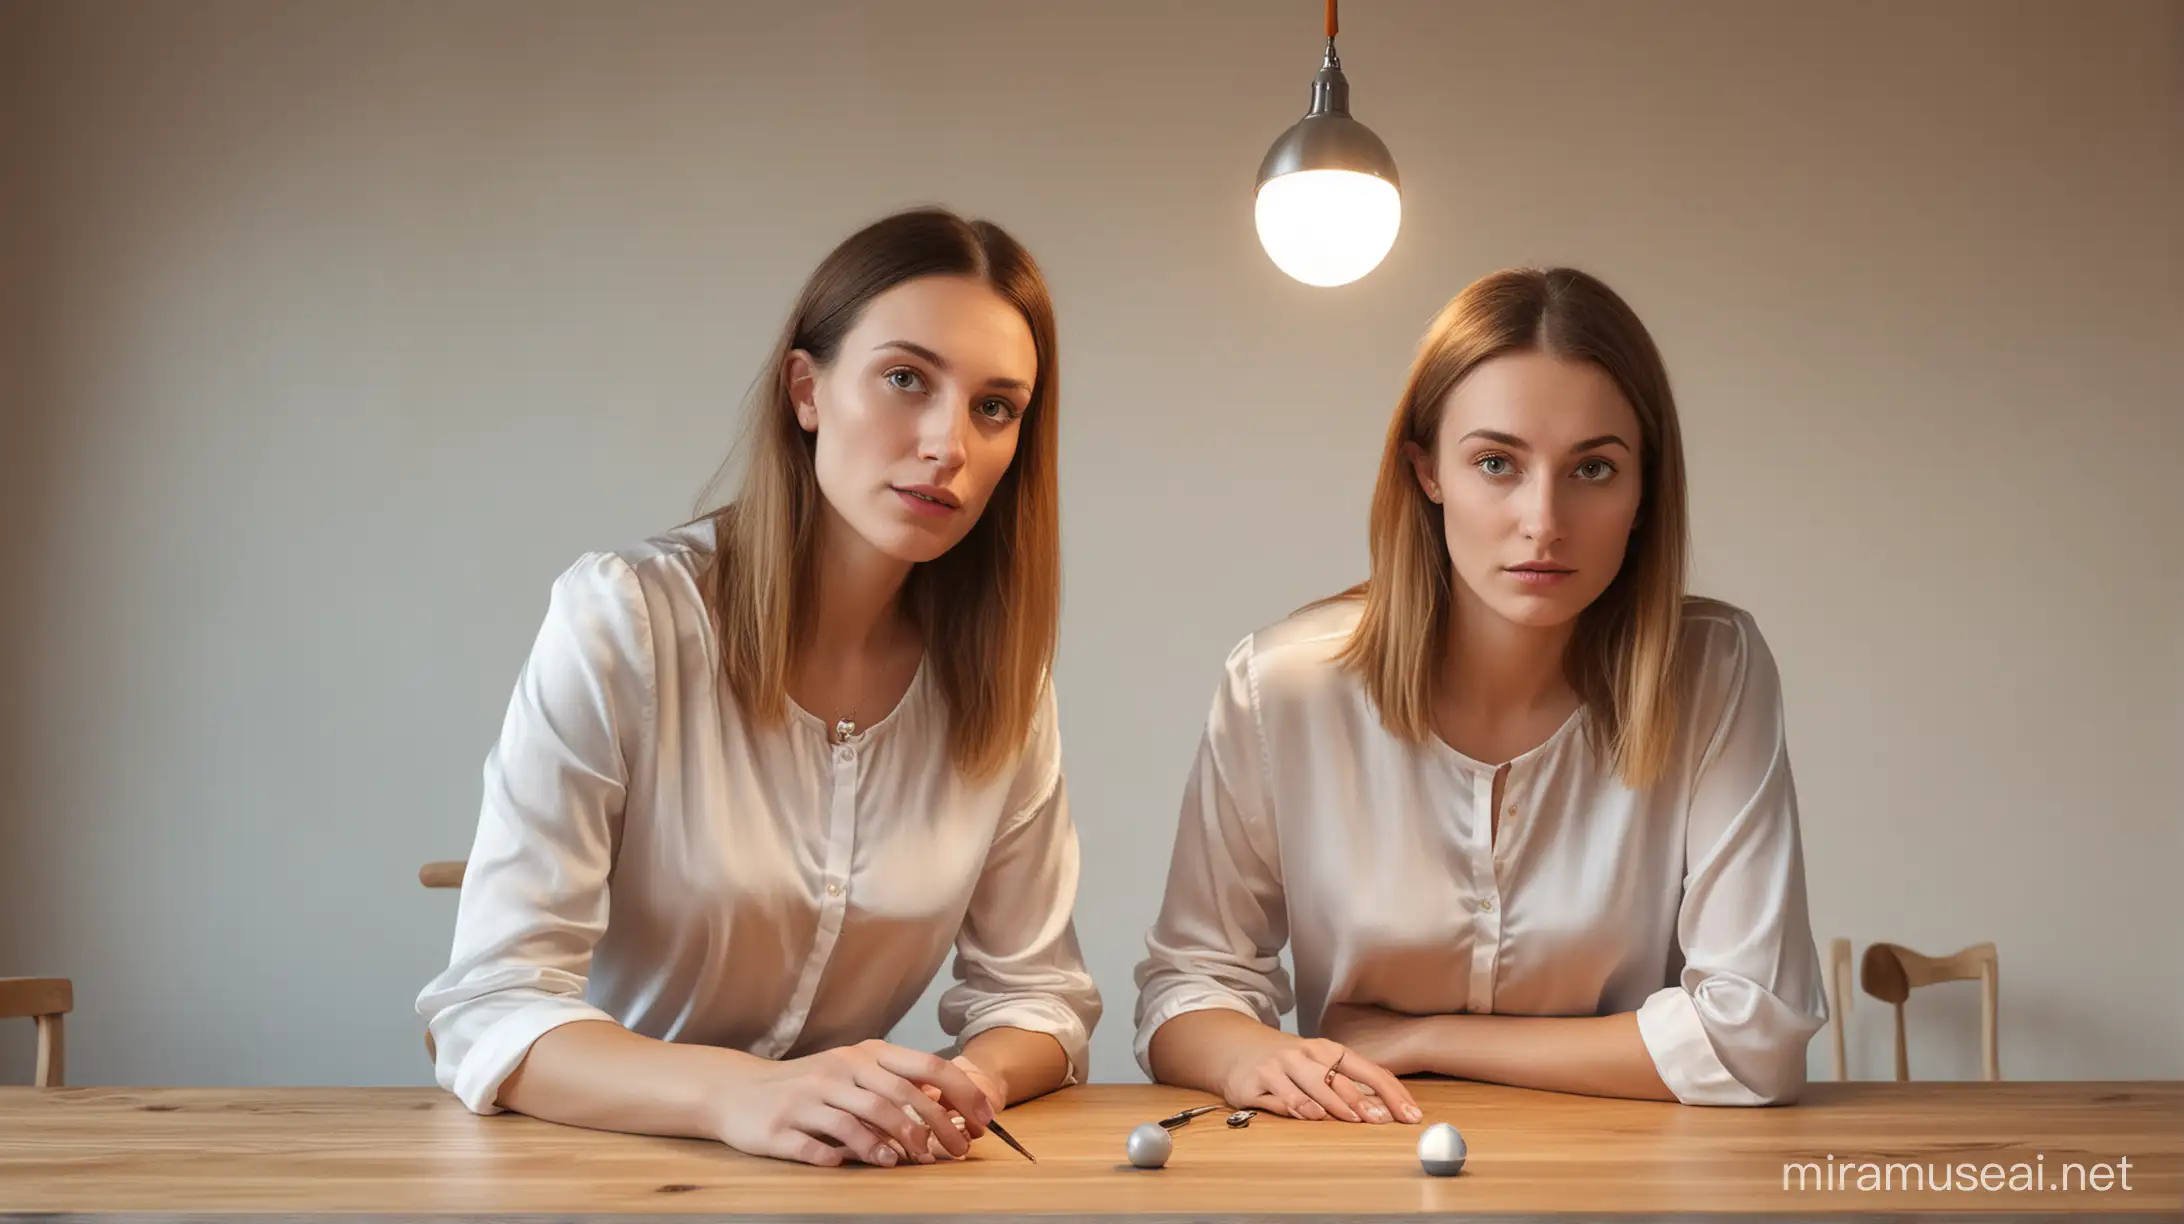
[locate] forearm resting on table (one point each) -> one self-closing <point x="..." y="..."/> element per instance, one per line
<point x="1025" y="1064"/>
<point x="1590" y="1055"/>
<point x="599" y="1075"/>
<point x="1199" y="1049"/>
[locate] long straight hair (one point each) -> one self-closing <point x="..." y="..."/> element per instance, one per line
<point x="1622" y="658"/>
<point x="989" y="607"/>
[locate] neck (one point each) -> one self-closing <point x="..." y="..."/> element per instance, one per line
<point x="857" y="589"/>
<point x="1492" y="664"/>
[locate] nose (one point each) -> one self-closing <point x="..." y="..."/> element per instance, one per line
<point x="1541" y="516"/>
<point x="941" y="436"/>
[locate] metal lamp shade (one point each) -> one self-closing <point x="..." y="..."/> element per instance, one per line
<point x="1329" y="202"/>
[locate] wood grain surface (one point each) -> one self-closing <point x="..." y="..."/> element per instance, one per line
<point x="358" y="1153"/>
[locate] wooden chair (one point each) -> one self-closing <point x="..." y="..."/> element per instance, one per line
<point x="1890" y="973"/>
<point x="440" y="875"/>
<point x="44" y="1000"/>
<point x="1837" y="987"/>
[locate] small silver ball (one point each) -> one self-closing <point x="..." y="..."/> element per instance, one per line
<point x="1150" y="1145"/>
<point x="1441" y="1150"/>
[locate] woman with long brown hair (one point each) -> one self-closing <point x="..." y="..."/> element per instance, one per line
<point x="1519" y="808"/>
<point x="760" y="774"/>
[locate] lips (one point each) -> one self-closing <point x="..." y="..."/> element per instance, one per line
<point x="1539" y="575"/>
<point x="932" y="494"/>
<point x="927" y="502"/>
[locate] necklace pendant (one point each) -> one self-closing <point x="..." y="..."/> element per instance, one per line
<point x="843" y="729"/>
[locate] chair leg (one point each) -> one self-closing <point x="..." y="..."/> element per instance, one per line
<point x="1838" y="987"/>
<point x="1989" y="989"/>
<point x="52" y="1052"/>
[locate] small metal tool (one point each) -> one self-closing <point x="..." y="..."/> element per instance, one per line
<point x="1005" y="1137"/>
<point x="1177" y="1119"/>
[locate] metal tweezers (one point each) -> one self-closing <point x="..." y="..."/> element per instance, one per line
<point x="994" y="1128"/>
<point x="1178" y="1119"/>
<point x="1240" y="1119"/>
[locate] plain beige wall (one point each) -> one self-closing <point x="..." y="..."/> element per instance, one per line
<point x="350" y="324"/>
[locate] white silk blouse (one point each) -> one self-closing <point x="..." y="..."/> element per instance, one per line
<point x="646" y="856"/>
<point x="1306" y="825"/>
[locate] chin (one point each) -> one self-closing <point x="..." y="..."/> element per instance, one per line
<point x="904" y="542"/>
<point x="1539" y="613"/>
<point x="1544" y="610"/>
<point x="914" y="549"/>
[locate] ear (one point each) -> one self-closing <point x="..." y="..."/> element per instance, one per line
<point x="1424" y="468"/>
<point x="802" y="375"/>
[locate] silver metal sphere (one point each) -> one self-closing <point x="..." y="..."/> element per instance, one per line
<point x="1441" y="1150"/>
<point x="1150" y="1145"/>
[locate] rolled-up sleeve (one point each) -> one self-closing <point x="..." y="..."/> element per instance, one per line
<point x="1734" y="1029"/>
<point x="1217" y="942"/>
<point x="1017" y="962"/>
<point x="534" y="897"/>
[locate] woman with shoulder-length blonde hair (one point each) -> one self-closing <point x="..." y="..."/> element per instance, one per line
<point x="762" y="773"/>
<point x="1520" y="809"/>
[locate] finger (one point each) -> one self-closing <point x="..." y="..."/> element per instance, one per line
<point x="956" y="1089"/>
<point x="902" y="1153"/>
<point x="1297" y="1104"/>
<point x="823" y="1121"/>
<point x="797" y="1146"/>
<point x="1368" y="1108"/>
<point x="1312" y="1078"/>
<point x="883" y="1115"/>
<point x="1335" y="1054"/>
<point x="906" y="1097"/>
<point x="933" y="1142"/>
<point x="1385" y="1084"/>
<point x="933" y="1094"/>
<point x="1284" y="1098"/>
<point x="909" y="1130"/>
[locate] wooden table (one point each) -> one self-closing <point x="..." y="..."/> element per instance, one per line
<point x="360" y="1153"/>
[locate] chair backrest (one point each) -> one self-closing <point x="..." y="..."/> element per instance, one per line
<point x="44" y="1000"/>
<point x="1890" y="972"/>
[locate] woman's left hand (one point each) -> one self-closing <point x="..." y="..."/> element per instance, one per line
<point x="996" y="1094"/>
<point x="1374" y="1032"/>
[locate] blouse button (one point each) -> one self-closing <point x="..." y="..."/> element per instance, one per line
<point x="1486" y="905"/>
<point x="834" y="888"/>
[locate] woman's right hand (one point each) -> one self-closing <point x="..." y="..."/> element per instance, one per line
<point x="865" y="1102"/>
<point x="1293" y="1078"/>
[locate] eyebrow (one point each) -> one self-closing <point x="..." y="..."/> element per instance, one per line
<point x="1514" y="442"/>
<point x="940" y="363"/>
